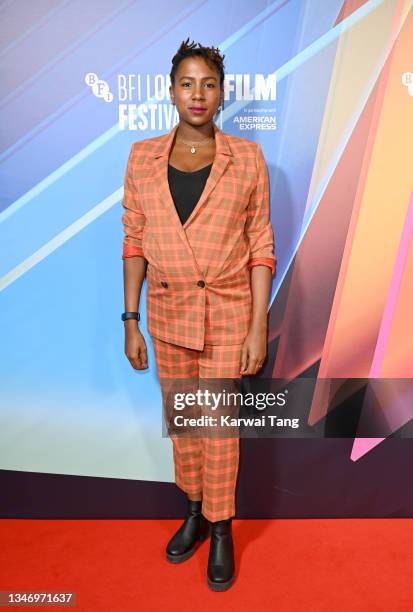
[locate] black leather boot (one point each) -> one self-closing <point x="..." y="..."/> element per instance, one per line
<point x="194" y="529"/>
<point x="221" y="565"/>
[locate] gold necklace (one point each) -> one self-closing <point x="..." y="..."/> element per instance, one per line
<point x="192" y="145"/>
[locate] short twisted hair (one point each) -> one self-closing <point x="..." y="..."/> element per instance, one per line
<point x="212" y="55"/>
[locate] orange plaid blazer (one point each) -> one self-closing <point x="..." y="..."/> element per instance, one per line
<point x="198" y="273"/>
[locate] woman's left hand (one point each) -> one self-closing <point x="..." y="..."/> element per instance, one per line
<point x="254" y="351"/>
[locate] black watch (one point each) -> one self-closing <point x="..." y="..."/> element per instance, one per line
<point x="130" y="315"/>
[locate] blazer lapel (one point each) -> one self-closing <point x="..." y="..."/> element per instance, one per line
<point x="221" y="161"/>
<point x="160" y="178"/>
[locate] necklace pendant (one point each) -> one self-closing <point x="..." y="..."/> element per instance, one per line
<point x="193" y="150"/>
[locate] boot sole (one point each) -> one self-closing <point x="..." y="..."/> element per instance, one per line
<point x="220" y="586"/>
<point x="188" y="554"/>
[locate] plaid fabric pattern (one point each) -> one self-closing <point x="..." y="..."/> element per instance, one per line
<point x="198" y="280"/>
<point x="203" y="464"/>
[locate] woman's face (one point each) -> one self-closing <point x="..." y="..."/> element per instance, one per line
<point x="196" y="86"/>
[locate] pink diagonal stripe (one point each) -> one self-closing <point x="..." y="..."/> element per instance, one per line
<point x="363" y="445"/>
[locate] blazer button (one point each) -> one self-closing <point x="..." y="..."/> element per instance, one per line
<point x="201" y="283"/>
<point x="164" y="284"/>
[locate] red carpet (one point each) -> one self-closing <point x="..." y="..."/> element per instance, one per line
<point x="283" y="565"/>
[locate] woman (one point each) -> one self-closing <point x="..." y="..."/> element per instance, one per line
<point x="196" y="223"/>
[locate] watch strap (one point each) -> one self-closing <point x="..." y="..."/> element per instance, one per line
<point x="130" y="315"/>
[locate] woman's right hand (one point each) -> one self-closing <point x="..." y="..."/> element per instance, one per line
<point x="135" y="346"/>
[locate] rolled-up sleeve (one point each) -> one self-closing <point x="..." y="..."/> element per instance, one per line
<point x="133" y="218"/>
<point x="258" y="225"/>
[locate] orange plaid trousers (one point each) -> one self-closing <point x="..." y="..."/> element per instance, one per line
<point x="203" y="464"/>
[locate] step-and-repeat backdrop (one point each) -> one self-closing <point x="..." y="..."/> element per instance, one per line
<point x="326" y="88"/>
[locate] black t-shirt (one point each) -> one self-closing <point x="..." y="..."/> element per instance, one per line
<point x="186" y="188"/>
